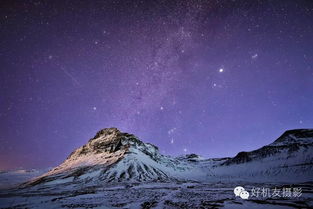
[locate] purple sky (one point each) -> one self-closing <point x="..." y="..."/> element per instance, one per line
<point x="206" y="77"/>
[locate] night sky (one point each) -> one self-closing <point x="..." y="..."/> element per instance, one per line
<point x="208" y="77"/>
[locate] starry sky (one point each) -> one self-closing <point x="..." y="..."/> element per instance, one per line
<point x="209" y="77"/>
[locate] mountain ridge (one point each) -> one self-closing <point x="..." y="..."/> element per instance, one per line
<point x="113" y="156"/>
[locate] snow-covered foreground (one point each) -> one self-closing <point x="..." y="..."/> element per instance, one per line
<point x="150" y="195"/>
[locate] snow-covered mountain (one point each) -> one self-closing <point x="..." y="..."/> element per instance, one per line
<point x="289" y="159"/>
<point x="113" y="156"/>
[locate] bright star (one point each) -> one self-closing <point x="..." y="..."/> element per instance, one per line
<point x="221" y="70"/>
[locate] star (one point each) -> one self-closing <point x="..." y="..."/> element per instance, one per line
<point x="254" y="56"/>
<point x="221" y="70"/>
<point x="171" y="131"/>
<point x="94" y="108"/>
<point x="185" y="149"/>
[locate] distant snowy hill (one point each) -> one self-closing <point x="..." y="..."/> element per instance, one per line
<point x="113" y="156"/>
<point x="289" y="159"/>
<point x="14" y="177"/>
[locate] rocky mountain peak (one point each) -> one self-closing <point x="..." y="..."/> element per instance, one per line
<point x="106" y="132"/>
<point x="108" y="140"/>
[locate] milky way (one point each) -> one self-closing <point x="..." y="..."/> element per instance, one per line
<point x="206" y="77"/>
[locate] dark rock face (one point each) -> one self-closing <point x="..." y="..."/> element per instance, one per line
<point x="110" y="140"/>
<point x="241" y="157"/>
<point x="190" y="156"/>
